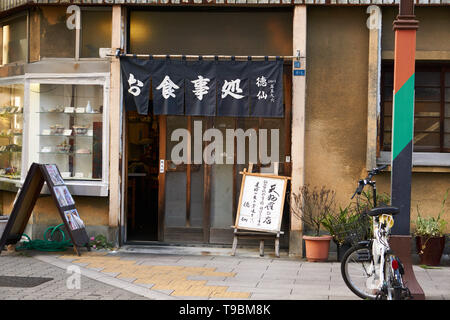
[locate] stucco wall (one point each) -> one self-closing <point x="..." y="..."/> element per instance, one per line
<point x="434" y="28"/>
<point x="336" y="107"/>
<point x="336" y="99"/>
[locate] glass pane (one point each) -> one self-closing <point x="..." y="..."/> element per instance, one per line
<point x="389" y="78"/>
<point x="222" y="179"/>
<point x="11" y="127"/>
<point x="447" y="109"/>
<point x="428" y="94"/>
<point x="14" y="41"/>
<point x="426" y="142"/>
<point x="211" y="32"/>
<point x="95" y="32"/>
<point x="426" y="124"/>
<point x="175" y="195"/>
<point x="56" y="40"/>
<point x="386" y="141"/>
<point x="274" y="142"/>
<point x="388" y="108"/>
<point x="427" y="109"/>
<point x="447" y="79"/>
<point x="446" y="140"/>
<point x="387" y="123"/>
<point x="428" y="79"/>
<point x="70" y="128"/>
<point x="197" y="179"/>
<point x="447" y="126"/>
<point x="388" y="93"/>
<point x="447" y="94"/>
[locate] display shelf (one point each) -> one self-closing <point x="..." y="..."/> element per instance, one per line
<point x="11" y="131"/>
<point x="61" y="130"/>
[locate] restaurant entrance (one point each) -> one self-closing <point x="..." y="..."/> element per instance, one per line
<point x="142" y="141"/>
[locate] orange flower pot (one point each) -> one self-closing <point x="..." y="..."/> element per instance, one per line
<point x="317" y="248"/>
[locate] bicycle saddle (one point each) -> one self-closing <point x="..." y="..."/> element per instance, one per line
<point x="383" y="210"/>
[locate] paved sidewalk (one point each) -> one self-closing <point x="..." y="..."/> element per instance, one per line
<point x="127" y="275"/>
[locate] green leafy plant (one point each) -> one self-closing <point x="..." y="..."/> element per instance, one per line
<point x="312" y="205"/>
<point x="100" y="242"/>
<point x="364" y="202"/>
<point x="431" y="226"/>
<point x="340" y="224"/>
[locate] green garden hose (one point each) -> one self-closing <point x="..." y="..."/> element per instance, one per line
<point x="48" y="244"/>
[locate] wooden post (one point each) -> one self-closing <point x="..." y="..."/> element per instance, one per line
<point x="298" y="127"/>
<point x="114" y="122"/>
<point x="373" y="94"/>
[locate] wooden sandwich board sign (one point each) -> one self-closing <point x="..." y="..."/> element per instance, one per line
<point x="27" y="197"/>
<point x="260" y="208"/>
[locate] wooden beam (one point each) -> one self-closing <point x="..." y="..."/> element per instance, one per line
<point x="207" y="192"/>
<point x="373" y="94"/>
<point x="188" y="173"/>
<point x="114" y="122"/>
<point x="162" y="176"/>
<point x="298" y="126"/>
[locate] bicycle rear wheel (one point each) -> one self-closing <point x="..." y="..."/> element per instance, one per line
<point x="358" y="272"/>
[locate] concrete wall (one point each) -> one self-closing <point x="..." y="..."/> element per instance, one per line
<point x="93" y="211"/>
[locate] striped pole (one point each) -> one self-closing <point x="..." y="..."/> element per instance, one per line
<point x="405" y="27"/>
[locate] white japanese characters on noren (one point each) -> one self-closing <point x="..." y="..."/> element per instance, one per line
<point x="261" y="82"/>
<point x="135" y="85"/>
<point x="232" y="88"/>
<point x="167" y="88"/>
<point x="200" y="87"/>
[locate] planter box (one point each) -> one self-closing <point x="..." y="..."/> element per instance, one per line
<point x="3" y="222"/>
<point x="432" y="253"/>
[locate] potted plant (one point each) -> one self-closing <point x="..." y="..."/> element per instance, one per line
<point x="312" y="206"/>
<point x="342" y="225"/>
<point x="430" y="237"/>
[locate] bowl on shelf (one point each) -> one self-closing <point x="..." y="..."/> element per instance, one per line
<point x="80" y="129"/>
<point x="63" y="147"/>
<point x="56" y="129"/>
<point x="83" y="151"/>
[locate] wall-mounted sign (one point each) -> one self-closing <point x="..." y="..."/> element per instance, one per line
<point x="299" y="72"/>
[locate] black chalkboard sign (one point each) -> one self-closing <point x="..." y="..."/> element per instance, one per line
<point x="27" y="197"/>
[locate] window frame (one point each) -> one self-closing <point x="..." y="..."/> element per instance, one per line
<point x="79" y="34"/>
<point x="4" y="22"/>
<point x="8" y="184"/>
<point x="439" y="158"/>
<point x="77" y="187"/>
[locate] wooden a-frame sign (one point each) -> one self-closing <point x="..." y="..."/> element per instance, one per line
<point x="27" y="197"/>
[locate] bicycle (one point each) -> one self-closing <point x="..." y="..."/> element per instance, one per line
<point x="370" y="268"/>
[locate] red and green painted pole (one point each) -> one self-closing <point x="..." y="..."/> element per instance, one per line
<point x="405" y="27"/>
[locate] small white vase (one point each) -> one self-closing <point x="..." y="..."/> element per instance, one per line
<point x="89" y="107"/>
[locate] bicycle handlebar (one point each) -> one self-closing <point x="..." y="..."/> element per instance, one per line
<point x="368" y="179"/>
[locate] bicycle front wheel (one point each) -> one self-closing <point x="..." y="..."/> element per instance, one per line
<point x="358" y="272"/>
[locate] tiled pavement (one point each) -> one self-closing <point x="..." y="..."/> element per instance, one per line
<point x="124" y="275"/>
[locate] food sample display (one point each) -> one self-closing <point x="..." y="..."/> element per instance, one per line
<point x="11" y="130"/>
<point x="70" y="119"/>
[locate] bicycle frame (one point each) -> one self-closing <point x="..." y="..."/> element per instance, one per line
<point x="379" y="246"/>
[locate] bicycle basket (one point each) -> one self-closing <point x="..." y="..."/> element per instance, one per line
<point x="354" y="231"/>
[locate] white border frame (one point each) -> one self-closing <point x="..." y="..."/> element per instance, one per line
<point x="76" y="187"/>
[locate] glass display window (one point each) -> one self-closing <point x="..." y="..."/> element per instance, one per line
<point x="68" y="127"/>
<point x="11" y="130"/>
